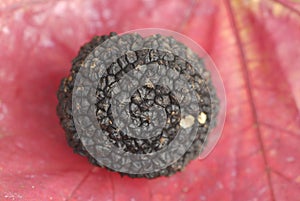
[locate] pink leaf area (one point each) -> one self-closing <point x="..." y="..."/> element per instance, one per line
<point x="255" y="45"/>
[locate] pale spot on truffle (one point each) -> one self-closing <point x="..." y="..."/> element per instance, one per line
<point x="93" y="65"/>
<point x="149" y="84"/>
<point x="187" y="121"/>
<point x="202" y="118"/>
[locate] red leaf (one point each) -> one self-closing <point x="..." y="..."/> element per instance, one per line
<point x="255" y="46"/>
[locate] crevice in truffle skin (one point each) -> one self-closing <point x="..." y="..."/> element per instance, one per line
<point x="64" y="111"/>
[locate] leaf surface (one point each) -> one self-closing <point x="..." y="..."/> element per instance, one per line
<point x="255" y="47"/>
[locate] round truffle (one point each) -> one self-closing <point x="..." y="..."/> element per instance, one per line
<point x="145" y="103"/>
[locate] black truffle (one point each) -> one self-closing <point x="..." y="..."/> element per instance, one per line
<point x="140" y="104"/>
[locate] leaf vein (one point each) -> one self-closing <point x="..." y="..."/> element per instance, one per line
<point x="245" y="70"/>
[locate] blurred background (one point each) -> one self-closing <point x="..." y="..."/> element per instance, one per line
<point x="255" y="47"/>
